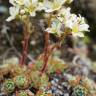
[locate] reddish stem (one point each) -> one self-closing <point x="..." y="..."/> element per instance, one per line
<point x="25" y="44"/>
<point x="25" y="51"/>
<point x="16" y="93"/>
<point x="48" y="51"/>
<point x="46" y="56"/>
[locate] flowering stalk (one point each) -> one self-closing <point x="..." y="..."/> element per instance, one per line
<point x="25" y="42"/>
<point x="46" y="47"/>
<point x="46" y="52"/>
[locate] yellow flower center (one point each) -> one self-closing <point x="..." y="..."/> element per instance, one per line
<point x="75" y="28"/>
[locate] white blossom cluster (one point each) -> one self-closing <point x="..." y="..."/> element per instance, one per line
<point x="30" y="7"/>
<point x="66" y="21"/>
<point x="63" y="20"/>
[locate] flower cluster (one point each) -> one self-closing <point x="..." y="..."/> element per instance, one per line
<point x="23" y="8"/>
<point x="65" y="21"/>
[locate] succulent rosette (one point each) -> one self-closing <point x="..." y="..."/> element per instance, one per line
<point x="22" y="93"/>
<point x="9" y="86"/>
<point x="79" y="91"/>
<point x="15" y="70"/>
<point x="40" y="93"/>
<point x="39" y="81"/>
<point x="21" y="81"/>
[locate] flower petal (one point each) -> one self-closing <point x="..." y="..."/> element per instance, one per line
<point x="84" y="27"/>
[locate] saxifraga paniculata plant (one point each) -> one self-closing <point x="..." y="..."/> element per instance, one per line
<point x="61" y="24"/>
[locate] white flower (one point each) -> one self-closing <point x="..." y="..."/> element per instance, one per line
<point x="64" y="15"/>
<point x="76" y="23"/>
<point x="31" y="6"/>
<point x="55" y="28"/>
<point x="70" y="21"/>
<point x="22" y="8"/>
<point x="54" y="5"/>
<point x="79" y="27"/>
<point x="78" y="30"/>
<point x="30" y="2"/>
<point x="17" y="2"/>
<point x="14" y="11"/>
<point x="41" y="6"/>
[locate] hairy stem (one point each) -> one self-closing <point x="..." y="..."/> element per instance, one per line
<point x="45" y="52"/>
<point x="25" y="42"/>
<point x="48" y="51"/>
